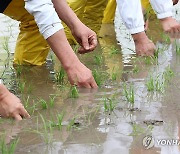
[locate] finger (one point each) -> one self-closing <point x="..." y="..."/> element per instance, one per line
<point x="93" y="83"/>
<point x="93" y="43"/>
<point x="81" y="50"/>
<point x="85" y="43"/>
<point x="24" y="113"/>
<point x="84" y="85"/>
<point x="17" y="117"/>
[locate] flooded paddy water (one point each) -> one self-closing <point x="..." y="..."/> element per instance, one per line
<point x="137" y="98"/>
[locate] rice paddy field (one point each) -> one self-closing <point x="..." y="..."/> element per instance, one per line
<point x="137" y="98"/>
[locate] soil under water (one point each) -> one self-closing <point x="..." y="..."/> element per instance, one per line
<point x="89" y="126"/>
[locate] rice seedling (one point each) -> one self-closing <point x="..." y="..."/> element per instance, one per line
<point x="71" y="124"/>
<point x="114" y="50"/>
<point x="60" y="120"/>
<point x="44" y="104"/>
<point x="5" y="45"/>
<point x="166" y="38"/>
<point x="156" y="53"/>
<point x="29" y="89"/>
<point x="109" y="105"/>
<point x="52" y="58"/>
<point x="137" y="130"/>
<point x="148" y="60"/>
<point x="97" y="77"/>
<point x="129" y="94"/>
<point x="177" y="48"/>
<point x="168" y="74"/>
<point x="29" y="107"/>
<point x="21" y="86"/>
<point x="152" y="60"/>
<point x="8" y="148"/>
<point x="159" y="85"/>
<point x="18" y="70"/>
<point x="114" y="74"/>
<point x="47" y="132"/>
<point x="135" y="69"/>
<point x="155" y="84"/>
<point x="98" y="59"/>
<point x="74" y="92"/>
<point x="60" y="76"/>
<point x="52" y="100"/>
<point x="150" y="84"/>
<point x="26" y="102"/>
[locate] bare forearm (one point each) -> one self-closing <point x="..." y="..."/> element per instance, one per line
<point x="62" y="49"/>
<point x="66" y="14"/>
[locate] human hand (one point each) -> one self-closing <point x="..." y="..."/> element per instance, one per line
<point x="85" y="37"/>
<point x="171" y="27"/>
<point x="175" y="2"/>
<point x="80" y="75"/>
<point x="144" y="46"/>
<point x="10" y="105"/>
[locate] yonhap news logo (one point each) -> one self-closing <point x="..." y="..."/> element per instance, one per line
<point x="149" y="142"/>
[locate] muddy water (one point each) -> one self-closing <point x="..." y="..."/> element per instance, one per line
<point x="94" y="130"/>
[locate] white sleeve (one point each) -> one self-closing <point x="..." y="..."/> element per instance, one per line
<point x="45" y="16"/>
<point x="132" y="16"/>
<point x="163" y="8"/>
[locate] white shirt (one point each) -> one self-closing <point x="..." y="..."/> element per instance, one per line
<point x="132" y="16"/>
<point x="45" y="16"/>
<point x="1" y="81"/>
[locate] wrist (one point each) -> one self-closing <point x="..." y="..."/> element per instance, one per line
<point x="70" y="63"/>
<point x="75" y="25"/>
<point x="166" y="19"/>
<point x="139" y="37"/>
